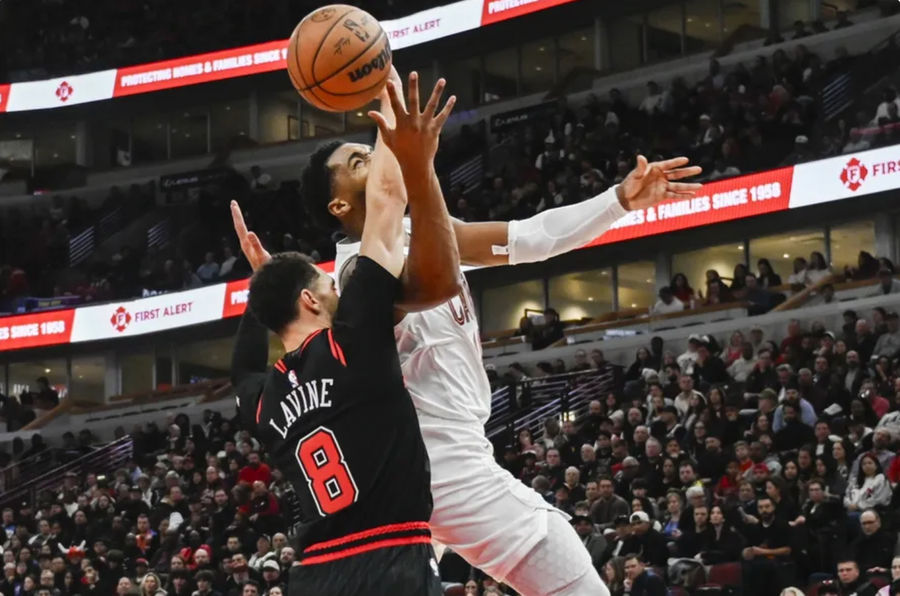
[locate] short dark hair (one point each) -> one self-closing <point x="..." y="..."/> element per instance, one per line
<point x="315" y="185"/>
<point x="276" y="286"/>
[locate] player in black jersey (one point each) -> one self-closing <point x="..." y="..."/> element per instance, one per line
<point x="334" y="413"/>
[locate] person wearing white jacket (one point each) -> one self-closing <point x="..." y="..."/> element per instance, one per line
<point x="872" y="488"/>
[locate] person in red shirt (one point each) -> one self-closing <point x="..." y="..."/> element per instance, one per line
<point x="255" y="470"/>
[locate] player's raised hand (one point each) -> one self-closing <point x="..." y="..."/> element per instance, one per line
<point x="651" y="183"/>
<point x="251" y="246"/>
<point x="414" y="135"/>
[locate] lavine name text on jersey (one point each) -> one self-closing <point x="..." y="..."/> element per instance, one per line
<point x="304" y="398"/>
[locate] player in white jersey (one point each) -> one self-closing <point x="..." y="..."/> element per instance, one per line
<point x="482" y="512"/>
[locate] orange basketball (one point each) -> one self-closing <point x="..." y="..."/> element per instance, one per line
<point x="339" y="58"/>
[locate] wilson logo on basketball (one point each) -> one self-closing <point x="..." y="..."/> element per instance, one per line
<point x="378" y="63"/>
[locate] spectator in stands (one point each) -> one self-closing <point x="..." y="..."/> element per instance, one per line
<point x="851" y="582"/>
<point x="645" y="540"/>
<point x="255" y="470"/>
<point x="593" y="540"/>
<point x="871" y="489"/>
<point x="856" y="142"/>
<point x="549" y="332"/>
<point x="798" y="278"/>
<point x="767" y="276"/>
<point x="259" y="180"/>
<point x="709" y="368"/>
<point x="741" y="368"/>
<point x="667" y="302"/>
<point x="818" y="269"/>
<point x="640" y="582"/>
<point x="768" y="545"/>
<point x="608" y="506"/>
<point x="800" y="30"/>
<point x="873" y="548"/>
<point x="581" y="361"/>
<point x="681" y="289"/>
<point x="887" y="283"/>
<point x="209" y="270"/>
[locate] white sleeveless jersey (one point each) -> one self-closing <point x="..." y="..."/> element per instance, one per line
<point x="440" y="355"/>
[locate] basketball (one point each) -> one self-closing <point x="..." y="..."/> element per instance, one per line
<point x="339" y="58"/>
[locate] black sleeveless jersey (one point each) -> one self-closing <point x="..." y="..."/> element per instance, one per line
<point x="337" y="420"/>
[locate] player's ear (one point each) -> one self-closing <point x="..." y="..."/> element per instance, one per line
<point x="309" y="301"/>
<point x="339" y="208"/>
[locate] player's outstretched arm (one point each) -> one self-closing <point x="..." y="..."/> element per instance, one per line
<point x="431" y="275"/>
<point x="558" y="231"/>
<point x="250" y="355"/>
<point x="382" y="237"/>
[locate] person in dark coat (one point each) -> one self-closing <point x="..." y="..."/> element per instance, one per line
<point x="640" y="582"/>
<point x="721" y="543"/>
<point x="646" y="542"/>
<point x="874" y="547"/>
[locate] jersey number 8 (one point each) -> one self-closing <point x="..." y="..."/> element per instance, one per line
<point x="329" y="479"/>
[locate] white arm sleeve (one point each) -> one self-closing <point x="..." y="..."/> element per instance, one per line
<point x="558" y="231"/>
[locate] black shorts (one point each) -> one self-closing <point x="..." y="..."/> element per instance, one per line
<point x="408" y="570"/>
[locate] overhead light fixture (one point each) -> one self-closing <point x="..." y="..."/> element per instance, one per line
<point x="786" y="256"/>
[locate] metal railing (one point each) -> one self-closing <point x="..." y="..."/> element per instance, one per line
<point x="104" y="459"/>
<point x="528" y="403"/>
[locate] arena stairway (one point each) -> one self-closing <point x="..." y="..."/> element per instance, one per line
<point x="528" y="403"/>
<point x="25" y="482"/>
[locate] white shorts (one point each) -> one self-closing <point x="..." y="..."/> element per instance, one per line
<point x="491" y="519"/>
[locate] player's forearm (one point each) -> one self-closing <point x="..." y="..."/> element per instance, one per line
<point x="382" y="238"/>
<point x="561" y="230"/>
<point x="432" y="266"/>
<point x="251" y="349"/>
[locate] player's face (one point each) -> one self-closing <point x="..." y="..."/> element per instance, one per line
<point x="325" y="291"/>
<point x="349" y="165"/>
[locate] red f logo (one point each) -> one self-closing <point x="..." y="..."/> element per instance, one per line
<point x="854" y="174"/>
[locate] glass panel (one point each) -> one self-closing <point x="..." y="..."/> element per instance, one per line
<point x="664" y="33"/>
<point x="782" y="249"/>
<point x="137" y="372"/>
<point x="848" y="240"/>
<point x="278" y="117"/>
<point x="204" y="360"/>
<point x="790" y="11"/>
<point x="500" y="71"/>
<point x="504" y="306"/>
<point x="625" y="43"/>
<point x="188" y="132"/>
<point x="464" y="80"/>
<point x="318" y="123"/>
<point x="359" y="120"/>
<point x="163" y="371"/>
<point x="636" y="286"/>
<point x="584" y="294"/>
<point x="702" y="25"/>
<point x="148" y="138"/>
<point x="55" y="144"/>
<point x="743" y="16"/>
<point x="88" y="377"/>
<point x="23" y="382"/>
<point x="229" y="124"/>
<point x="538" y="65"/>
<point x="695" y="263"/>
<point x="576" y="51"/>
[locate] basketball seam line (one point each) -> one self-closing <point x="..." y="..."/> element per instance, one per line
<point x="341" y="69"/>
<point x="336" y="22"/>
<point x="296" y="46"/>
